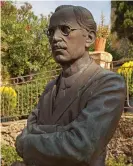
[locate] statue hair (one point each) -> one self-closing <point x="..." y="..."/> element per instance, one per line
<point x="83" y="16"/>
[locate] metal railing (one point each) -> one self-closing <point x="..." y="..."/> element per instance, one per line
<point x="114" y="66"/>
<point x="28" y="90"/>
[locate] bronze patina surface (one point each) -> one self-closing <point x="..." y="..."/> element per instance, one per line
<point x="79" y="111"/>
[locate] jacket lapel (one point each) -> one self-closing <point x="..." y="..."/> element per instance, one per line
<point x="72" y="93"/>
<point x="45" y="105"/>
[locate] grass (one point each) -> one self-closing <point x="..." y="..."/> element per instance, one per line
<point x="9" y="155"/>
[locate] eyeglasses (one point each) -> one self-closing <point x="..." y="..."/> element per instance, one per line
<point x="64" y="29"/>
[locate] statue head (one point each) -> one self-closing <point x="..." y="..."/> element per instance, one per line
<point x="71" y="31"/>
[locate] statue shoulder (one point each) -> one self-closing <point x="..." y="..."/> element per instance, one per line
<point x="50" y="85"/>
<point x="109" y="74"/>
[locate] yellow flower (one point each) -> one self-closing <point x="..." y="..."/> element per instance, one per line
<point x="126" y="70"/>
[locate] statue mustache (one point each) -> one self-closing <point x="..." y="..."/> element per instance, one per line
<point x="59" y="46"/>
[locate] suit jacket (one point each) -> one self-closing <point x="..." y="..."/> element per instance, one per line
<point x="81" y="125"/>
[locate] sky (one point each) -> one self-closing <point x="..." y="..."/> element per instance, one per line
<point x="95" y="7"/>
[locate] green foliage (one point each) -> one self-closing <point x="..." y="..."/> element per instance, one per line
<point x="28" y="95"/>
<point x="111" y="49"/>
<point x="126" y="70"/>
<point x="9" y="155"/>
<point x="123" y="24"/>
<point x="92" y="48"/>
<point x="121" y="161"/>
<point x="102" y="29"/>
<point x="8" y="100"/>
<point x="22" y="98"/>
<point x="130" y="50"/>
<point x="29" y="92"/>
<point x="5" y="75"/>
<point x="25" y="46"/>
<point x="131" y="88"/>
<point x="125" y="48"/>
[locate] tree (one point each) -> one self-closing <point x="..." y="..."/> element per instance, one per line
<point x="123" y="23"/>
<point x="25" y="47"/>
<point x="122" y="28"/>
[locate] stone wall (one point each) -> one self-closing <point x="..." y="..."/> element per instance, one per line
<point x="120" y="145"/>
<point x="102" y="58"/>
<point x="10" y="130"/>
<point x="122" y="141"/>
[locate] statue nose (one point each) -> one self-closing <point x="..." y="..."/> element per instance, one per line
<point x="57" y="36"/>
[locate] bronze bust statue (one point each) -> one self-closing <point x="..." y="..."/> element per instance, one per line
<point x="79" y="111"/>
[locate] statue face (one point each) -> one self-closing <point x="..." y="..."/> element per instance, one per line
<point x="66" y="37"/>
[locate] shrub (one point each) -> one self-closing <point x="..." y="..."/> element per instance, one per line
<point x="126" y="70"/>
<point x="27" y="94"/>
<point x="9" y="155"/>
<point x="111" y="44"/>
<point x="8" y="100"/>
<point x="25" y="46"/>
<point x="121" y="161"/>
<point x="102" y="29"/>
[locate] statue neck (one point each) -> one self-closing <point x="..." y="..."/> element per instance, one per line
<point x="78" y="65"/>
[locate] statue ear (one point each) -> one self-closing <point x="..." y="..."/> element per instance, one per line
<point x="90" y="39"/>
